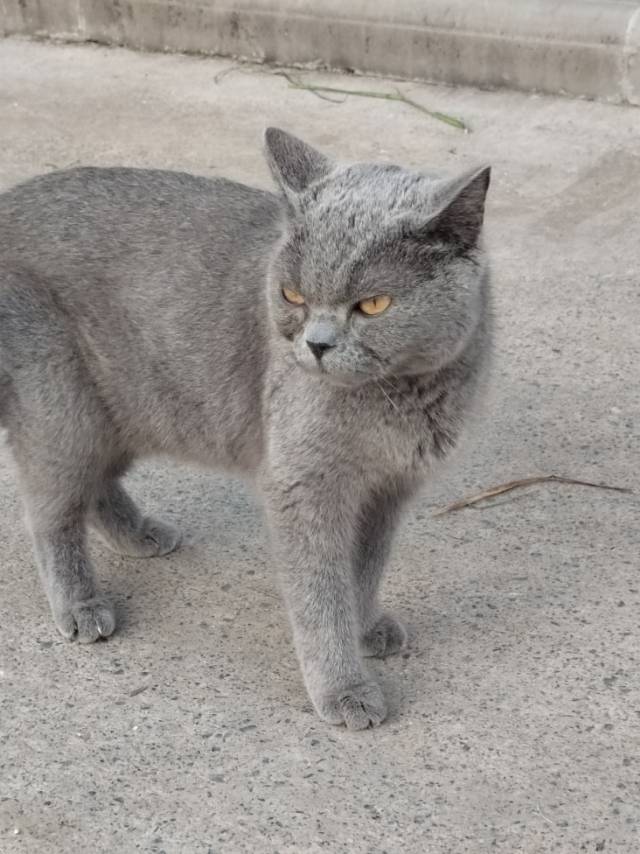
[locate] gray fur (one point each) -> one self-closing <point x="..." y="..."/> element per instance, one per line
<point x="141" y="313"/>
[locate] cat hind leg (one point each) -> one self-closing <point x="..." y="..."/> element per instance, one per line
<point x="122" y="527"/>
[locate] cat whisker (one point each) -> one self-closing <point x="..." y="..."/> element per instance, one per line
<point x="394" y="388"/>
<point x="387" y="396"/>
<point x="389" y="383"/>
<point x="401" y="395"/>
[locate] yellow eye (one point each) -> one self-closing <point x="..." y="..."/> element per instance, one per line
<point x="374" y="305"/>
<point x="292" y="296"/>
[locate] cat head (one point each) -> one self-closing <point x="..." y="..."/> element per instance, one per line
<point x="380" y="271"/>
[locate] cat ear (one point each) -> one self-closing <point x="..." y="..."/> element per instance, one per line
<point x="460" y="212"/>
<point x="293" y="163"/>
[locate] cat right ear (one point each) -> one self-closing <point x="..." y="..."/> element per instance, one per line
<point x="294" y="164"/>
<point x="460" y="212"/>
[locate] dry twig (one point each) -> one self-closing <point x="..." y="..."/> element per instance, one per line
<point x="325" y="92"/>
<point x="399" y="96"/>
<point x="493" y="491"/>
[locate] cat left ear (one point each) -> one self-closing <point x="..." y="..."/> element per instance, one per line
<point x="460" y="211"/>
<point x="294" y="164"/>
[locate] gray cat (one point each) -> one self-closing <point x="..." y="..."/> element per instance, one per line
<point x="327" y="342"/>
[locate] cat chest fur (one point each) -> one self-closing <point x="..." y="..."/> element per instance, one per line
<point x="386" y="432"/>
<point x="404" y="428"/>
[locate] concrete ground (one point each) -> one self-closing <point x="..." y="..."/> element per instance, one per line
<point x="515" y="721"/>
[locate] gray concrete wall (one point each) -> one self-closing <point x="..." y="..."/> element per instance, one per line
<point x="587" y="48"/>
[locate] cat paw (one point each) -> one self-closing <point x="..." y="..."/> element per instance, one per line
<point x="386" y="637"/>
<point x="86" y="621"/>
<point x="158" y="538"/>
<point x="357" y="707"/>
<point x="154" y="539"/>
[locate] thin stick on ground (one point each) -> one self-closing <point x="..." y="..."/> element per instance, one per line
<point x="321" y="92"/>
<point x="493" y="491"/>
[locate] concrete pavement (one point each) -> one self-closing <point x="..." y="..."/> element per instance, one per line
<point x="515" y="723"/>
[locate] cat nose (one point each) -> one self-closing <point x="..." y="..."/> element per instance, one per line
<point x="319" y="348"/>
<point x="321" y="335"/>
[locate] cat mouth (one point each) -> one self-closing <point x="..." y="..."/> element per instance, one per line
<point x="325" y="373"/>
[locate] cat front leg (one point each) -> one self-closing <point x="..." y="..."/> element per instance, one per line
<point x="313" y="521"/>
<point x="381" y="633"/>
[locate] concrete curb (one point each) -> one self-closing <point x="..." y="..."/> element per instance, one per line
<point x="587" y="48"/>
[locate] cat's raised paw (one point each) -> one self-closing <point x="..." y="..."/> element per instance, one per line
<point x="357" y="707"/>
<point x="160" y="537"/>
<point x="153" y="539"/>
<point x="386" y="637"/>
<point x="86" y="621"/>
